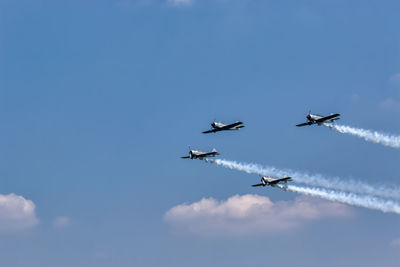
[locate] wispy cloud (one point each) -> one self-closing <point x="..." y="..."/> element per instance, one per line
<point x="180" y="2"/>
<point x="395" y="79"/>
<point x="390" y="104"/>
<point x="16" y="213"/>
<point x="62" y="222"/>
<point x="250" y="214"/>
<point x="395" y="242"/>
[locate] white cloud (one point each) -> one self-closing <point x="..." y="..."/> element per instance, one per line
<point x="250" y="214"/>
<point x="62" y="222"/>
<point x="390" y="104"/>
<point x="180" y="2"/>
<point x="16" y="213"/>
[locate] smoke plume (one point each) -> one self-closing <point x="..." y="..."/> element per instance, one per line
<point x="364" y="201"/>
<point x="368" y="135"/>
<point x="319" y="180"/>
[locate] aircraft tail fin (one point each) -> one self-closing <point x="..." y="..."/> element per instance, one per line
<point x="287" y="178"/>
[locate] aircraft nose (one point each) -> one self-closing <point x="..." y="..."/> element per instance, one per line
<point x="213" y="124"/>
<point x="308" y="117"/>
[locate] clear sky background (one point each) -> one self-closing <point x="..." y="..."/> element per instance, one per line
<point x="99" y="99"/>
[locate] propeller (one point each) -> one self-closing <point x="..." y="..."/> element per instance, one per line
<point x="190" y="153"/>
<point x="213" y="123"/>
<point x="309" y="115"/>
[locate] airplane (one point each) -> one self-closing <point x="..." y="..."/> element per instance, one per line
<point x="318" y="119"/>
<point x="197" y="154"/>
<point x="274" y="182"/>
<point x="219" y="126"/>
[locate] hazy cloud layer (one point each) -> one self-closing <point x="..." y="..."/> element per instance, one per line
<point x="16" y="213"/>
<point x="250" y="214"/>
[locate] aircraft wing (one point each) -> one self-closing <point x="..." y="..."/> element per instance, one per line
<point x="211" y="131"/>
<point x="277" y="181"/>
<point x="186" y="157"/>
<point x="304" y="124"/>
<point x="231" y="125"/>
<point x="327" y="118"/>
<point x="257" y="185"/>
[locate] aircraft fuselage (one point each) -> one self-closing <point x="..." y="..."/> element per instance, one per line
<point x="219" y="125"/>
<point x="197" y="154"/>
<point x="315" y="117"/>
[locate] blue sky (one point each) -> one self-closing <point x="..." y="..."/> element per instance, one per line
<point x="99" y="99"/>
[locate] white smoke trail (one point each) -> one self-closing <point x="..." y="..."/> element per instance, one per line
<point x="368" y="135"/>
<point x="349" y="198"/>
<point x="313" y="179"/>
